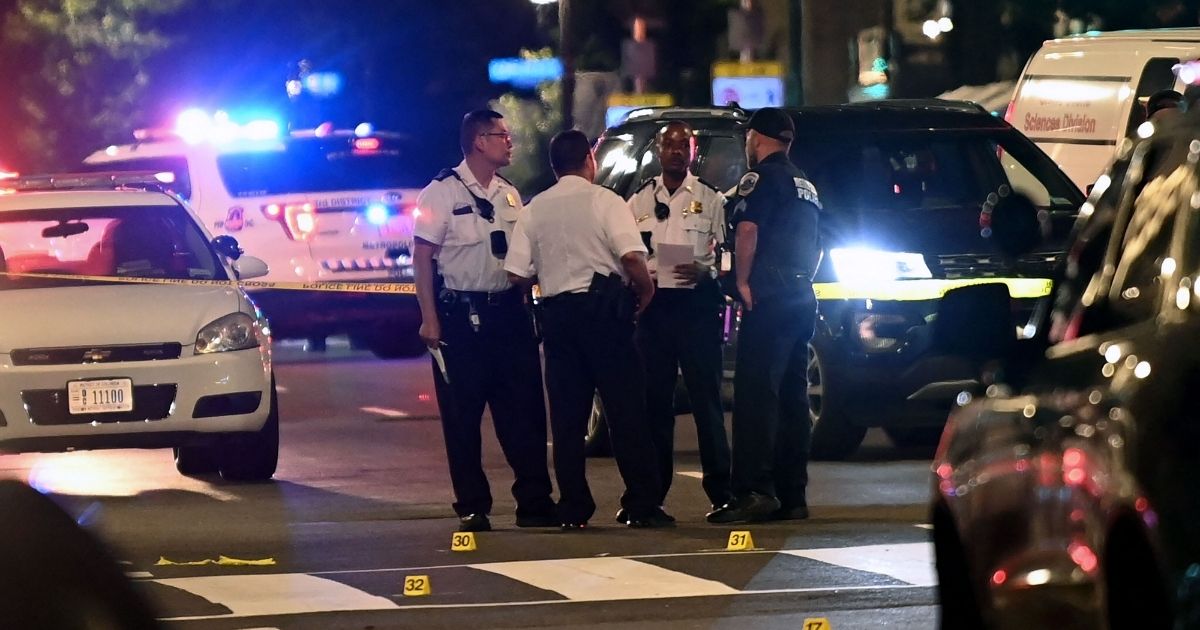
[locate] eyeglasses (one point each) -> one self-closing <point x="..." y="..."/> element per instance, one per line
<point x="499" y="134"/>
<point x="662" y="211"/>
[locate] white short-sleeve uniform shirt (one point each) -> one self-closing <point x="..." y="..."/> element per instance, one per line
<point x="451" y="220"/>
<point x="572" y="230"/>
<point x="697" y="217"/>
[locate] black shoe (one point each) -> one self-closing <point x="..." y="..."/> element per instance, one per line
<point x="750" y="508"/>
<point x="622" y="516"/>
<point x="573" y="527"/>
<point x="474" y="523"/>
<point x="537" y="521"/>
<point x="656" y="518"/>
<point x="795" y="513"/>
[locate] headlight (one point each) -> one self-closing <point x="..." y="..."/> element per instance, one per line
<point x="866" y="266"/>
<point x="236" y="331"/>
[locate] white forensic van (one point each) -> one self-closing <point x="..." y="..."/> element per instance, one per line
<point x="1079" y="97"/>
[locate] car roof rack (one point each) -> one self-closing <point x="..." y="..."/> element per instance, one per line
<point x="933" y="103"/>
<point x="733" y="111"/>
<point x="111" y="180"/>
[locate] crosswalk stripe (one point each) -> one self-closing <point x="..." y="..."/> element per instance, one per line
<point x="384" y="411"/>
<point x="606" y="579"/>
<point x="910" y="562"/>
<point x="278" y="594"/>
<point x="690" y="473"/>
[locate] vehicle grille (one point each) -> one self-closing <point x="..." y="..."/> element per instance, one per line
<point x="375" y="263"/>
<point x="96" y="354"/>
<point x="49" y="406"/>
<point x="993" y="265"/>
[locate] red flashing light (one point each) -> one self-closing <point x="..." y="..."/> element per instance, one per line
<point x="298" y="220"/>
<point x="366" y="144"/>
<point x="999" y="577"/>
<point x="324" y="129"/>
<point x="272" y="211"/>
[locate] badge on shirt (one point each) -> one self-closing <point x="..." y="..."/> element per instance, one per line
<point x="512" y="200"/>
<point x="747" y="183"/>
<point x="696" y="207"/>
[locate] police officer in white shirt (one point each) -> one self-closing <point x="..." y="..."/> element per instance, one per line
<point x="579" y="242"/>
<point x="682" y="330"/>
<point x="479" y="323"/>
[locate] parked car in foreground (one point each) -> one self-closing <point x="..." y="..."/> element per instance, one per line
<point x="1066" y="496"/>
<point x="124" y="326"/>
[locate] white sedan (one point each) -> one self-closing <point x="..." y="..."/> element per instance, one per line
<point x="123" y="327"/>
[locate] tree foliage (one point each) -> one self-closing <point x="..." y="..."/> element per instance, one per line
<point x="75" y="72"/>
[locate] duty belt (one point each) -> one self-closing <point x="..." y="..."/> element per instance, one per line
<point x="481" y="298"/>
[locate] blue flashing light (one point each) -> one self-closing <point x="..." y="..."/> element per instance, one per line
<point x="261" y="130"/>
<point x="364" y="129"/>
<point x="193" y="125"/>
<point x="524" y="73"/>
<point x="323" y="83"/>
<point x="378" y="214"/>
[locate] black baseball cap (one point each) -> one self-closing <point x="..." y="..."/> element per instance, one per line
<point x="773" y="123"/>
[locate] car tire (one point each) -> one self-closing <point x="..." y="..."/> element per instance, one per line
<point x="958" y="598"/>
<point x="597" y="443"/>
<point x="834" y="434"/>
<point x="387" y="342"/>
<point x="253" y="455"/>
<point x="194" y="461"/>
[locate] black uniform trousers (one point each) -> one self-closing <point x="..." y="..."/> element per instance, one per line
<point x="587" y="352"/>
<point x="499" y="366"/>
<point x="771" y="425"/>
<point x="682" y="331"/>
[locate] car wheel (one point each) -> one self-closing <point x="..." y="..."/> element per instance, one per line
<point x="959" y="604"/>
<point x="834" y="435"/>
<point x="597" y="443"/>
<point x="192" y="461"/>
<point x="252" y="456"/>
<point x="399" y="342"/>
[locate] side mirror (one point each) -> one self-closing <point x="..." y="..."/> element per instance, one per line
<point x="1012" y="222"/>
<point x="227" y="246"/>
<point x="250" y="267"/>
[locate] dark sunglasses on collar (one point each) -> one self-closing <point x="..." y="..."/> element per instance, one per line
<point x="661" y="210"/>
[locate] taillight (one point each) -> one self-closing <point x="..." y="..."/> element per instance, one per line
<point x="299" y="220"/>
<point x="1008" y="111"/>
<point x="366" y="144"/>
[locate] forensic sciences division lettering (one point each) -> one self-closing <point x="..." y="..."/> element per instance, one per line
<point x="885" y="567"/>
<point x="398" y="288"/>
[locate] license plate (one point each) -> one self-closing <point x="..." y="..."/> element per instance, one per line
<point x="100" y="396"/>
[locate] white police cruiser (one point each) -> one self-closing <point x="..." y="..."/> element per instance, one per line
<point x="319" y="205"/>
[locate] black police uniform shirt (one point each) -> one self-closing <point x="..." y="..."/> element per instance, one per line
<point x="777" y="197"/>
<point x="450" y="218"/>
<point x="696" y="217"/>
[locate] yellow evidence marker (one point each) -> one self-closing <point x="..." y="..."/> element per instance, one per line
<point x="816" y="623"/>
<point x="416" y="585"/>
<point x="462" y="541"/>
<point x="740" y="541"/>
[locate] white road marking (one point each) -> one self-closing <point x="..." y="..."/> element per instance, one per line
<point x="690" y="473"/>
<point x="279" y="594"/>
<point x="910" y="562"/>
<point x="384" y="411"/>
<point x="928" y="526"/>
<point x="133" y="575"/>
<point x="606" y="579"/>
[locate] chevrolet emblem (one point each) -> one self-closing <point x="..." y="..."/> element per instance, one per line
<point x="96" y="355"/>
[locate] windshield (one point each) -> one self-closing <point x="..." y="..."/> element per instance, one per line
<point x="626" y="160"/>
<point x="911" y="172"/>
<point x="114" y="242"/>
<point x="323" y="165"/>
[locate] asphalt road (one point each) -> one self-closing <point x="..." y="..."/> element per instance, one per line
<point x="360" y="506"/>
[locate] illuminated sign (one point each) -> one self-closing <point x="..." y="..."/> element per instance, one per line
<point x="524" y="73"/>
<point x="750" y="85"/>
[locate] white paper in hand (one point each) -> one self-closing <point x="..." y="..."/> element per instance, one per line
<point x="669" y="255"/>
<point x="441" y="363"/>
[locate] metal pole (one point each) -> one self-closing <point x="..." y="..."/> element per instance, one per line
<point x="796" y="50"/>
<point x="568" y="63"/>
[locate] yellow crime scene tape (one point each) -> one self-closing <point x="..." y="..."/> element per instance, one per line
<point x="397" y="288"/>
<point x="917" y="290"/>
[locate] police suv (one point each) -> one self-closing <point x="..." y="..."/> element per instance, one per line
<point x="320" y="205"/>
<point x="904" y="186"/>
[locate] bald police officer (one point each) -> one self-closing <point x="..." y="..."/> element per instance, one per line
<point x="578" y="241"/>
<point x="682" y="329"/>
<point x="479" y="324"/>
<point x="776" y="251"/>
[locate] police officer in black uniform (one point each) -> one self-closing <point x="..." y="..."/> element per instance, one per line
<point x="478" y="328"/>
<point x="776" y="251"/>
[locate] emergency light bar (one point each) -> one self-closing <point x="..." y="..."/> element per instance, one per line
<point x="146" y="180"/>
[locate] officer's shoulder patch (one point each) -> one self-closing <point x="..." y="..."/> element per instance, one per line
<point x="444" y="174"/>
<point x="747" y="183"/>
<point x="714" y="188"/>
<point x="649" y="181"/>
